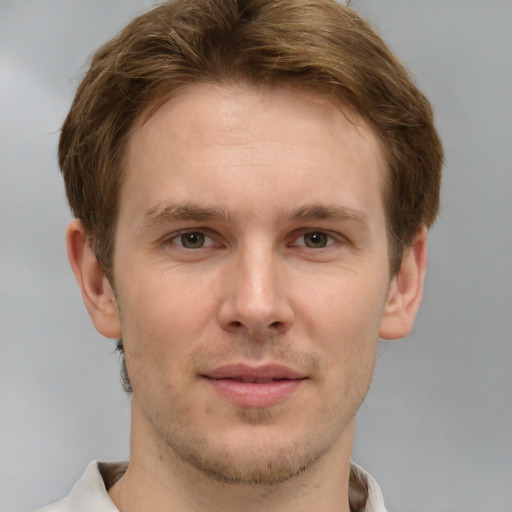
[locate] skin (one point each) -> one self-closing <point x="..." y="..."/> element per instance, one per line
<point x="251" y="231"/>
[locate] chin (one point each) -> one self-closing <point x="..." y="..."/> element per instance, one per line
<point x="253" y="465"/>
<point x="254" y="457"/>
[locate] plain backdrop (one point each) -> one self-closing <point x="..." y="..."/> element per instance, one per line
<point x="436" y="428"/>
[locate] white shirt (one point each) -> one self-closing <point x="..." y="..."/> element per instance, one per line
<point x="89" y="494"/>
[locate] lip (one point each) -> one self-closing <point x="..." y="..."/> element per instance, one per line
<point x="249" y="386"/>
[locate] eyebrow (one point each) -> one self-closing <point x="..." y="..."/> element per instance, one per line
<point x="194" y="212"/>
<point x="334" y="212"/>
<point x="173" y="212"/>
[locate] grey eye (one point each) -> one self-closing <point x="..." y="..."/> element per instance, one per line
<point x="316" y="239"/>
<point x="193" y="240"/>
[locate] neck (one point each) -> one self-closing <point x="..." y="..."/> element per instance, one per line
<point x="158" y="480"/>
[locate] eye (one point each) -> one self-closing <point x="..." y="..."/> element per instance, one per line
<point x="315" y="240"/>
<point x="192" y="240"/>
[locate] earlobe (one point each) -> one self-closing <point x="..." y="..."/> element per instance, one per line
<point x="97" y="293"/>
<point x="406" y="290"/>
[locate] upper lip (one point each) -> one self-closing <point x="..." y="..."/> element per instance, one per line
<point x="247" y="373"/>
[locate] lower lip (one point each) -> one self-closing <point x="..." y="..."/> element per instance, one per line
<point x="253" y="394"/>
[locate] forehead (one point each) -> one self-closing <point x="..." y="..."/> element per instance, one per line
<point x="215" y="138"/>
<point x="225" y="106"/>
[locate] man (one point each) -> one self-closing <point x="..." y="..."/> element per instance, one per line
<point x="252" y="183"/>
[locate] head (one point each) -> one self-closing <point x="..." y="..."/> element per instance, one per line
<point x="285" y="143"/>
<point x="320" y="46"/>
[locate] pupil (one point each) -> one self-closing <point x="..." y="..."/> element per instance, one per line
<point x="192" y="240"/>
<point x="316" y="239"/>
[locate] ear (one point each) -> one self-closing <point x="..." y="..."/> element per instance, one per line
<point x="406" y="290"/>
<point x="97" y="294"/>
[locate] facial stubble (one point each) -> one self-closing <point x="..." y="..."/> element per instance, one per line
<point x="246" y="461"/>
<point x="287" y="461"/>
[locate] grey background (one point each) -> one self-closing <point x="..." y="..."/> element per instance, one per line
<point x="436" y="428"/>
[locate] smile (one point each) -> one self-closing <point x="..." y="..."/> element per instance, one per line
<point x="247" y="386"/>
<point x="257" y="381"/>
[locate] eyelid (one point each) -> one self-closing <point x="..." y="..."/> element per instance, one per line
<point x="296" y="235"/>
<point x="335" y="238"/>
<point x="177" y="234"/>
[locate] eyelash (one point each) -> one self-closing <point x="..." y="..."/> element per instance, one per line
<point x="329" y="239"/>
<point x="183" y="234"/>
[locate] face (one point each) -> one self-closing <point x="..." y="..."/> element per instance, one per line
<point x="252" y="276"/>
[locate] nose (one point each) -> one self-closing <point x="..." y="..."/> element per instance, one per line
<point x="256" y="299"/>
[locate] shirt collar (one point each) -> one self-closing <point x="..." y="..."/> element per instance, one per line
<point x="90" y="492"/>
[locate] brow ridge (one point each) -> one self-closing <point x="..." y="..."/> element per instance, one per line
<point x="194" y="212"/>
<point x="335" y="212"/>
<point x="188" y="211"/>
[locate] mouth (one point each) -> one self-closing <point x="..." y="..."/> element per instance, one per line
<point x="253" y="380"/>
<point x="249" y="386"/>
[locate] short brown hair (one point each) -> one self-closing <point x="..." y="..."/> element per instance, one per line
<point x="320" y="45"/>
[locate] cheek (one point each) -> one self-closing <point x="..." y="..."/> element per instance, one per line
<point x="164" y="302"/>
<point x="343" y="322"/>
<point x="161" y="322"/>
<point x="347" y="307"/>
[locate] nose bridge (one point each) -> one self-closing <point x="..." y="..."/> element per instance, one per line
<point x="256" y="297"/>
<point x="258" y="276"/>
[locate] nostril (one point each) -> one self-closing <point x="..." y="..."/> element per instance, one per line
<point x="275" y="325"/>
